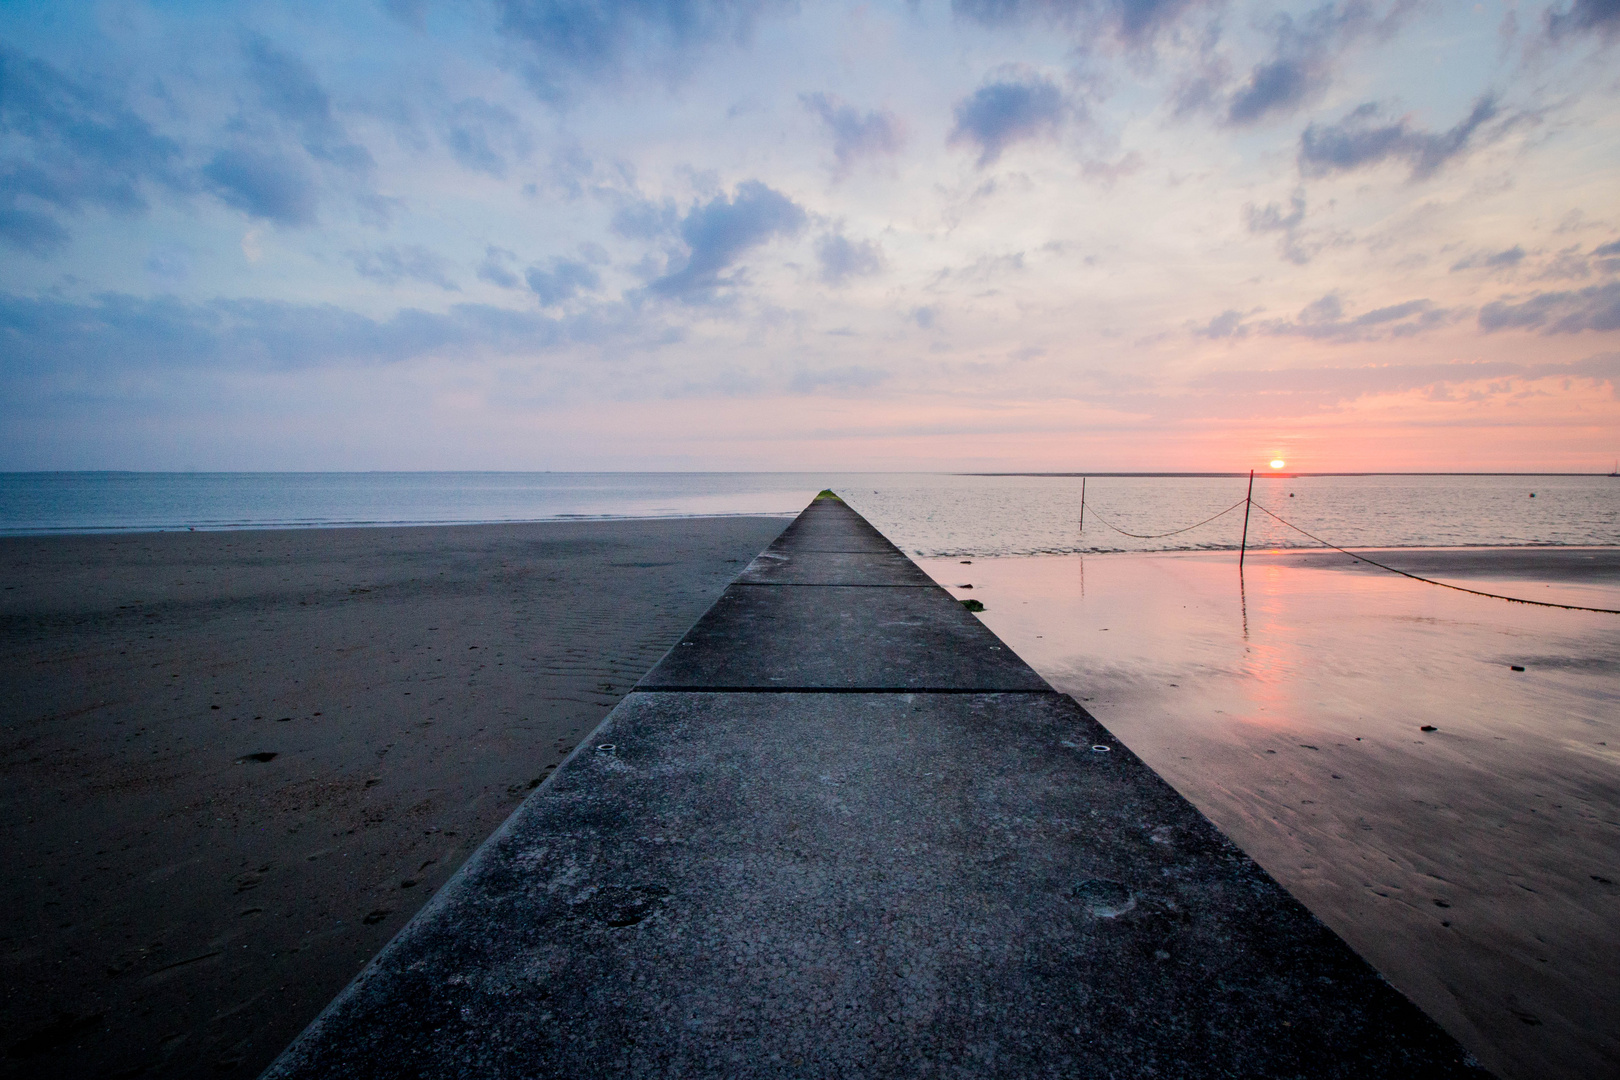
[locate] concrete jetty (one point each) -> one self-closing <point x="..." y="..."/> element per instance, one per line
<point x="842" y="830"/>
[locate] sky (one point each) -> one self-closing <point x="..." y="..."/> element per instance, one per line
<point x="988" y="235"/>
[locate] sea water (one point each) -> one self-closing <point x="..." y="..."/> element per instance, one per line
<point x="927" y="514"/>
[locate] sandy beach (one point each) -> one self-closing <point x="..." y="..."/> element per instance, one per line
<point x="235" y="763"/>
<point x="1435" y="775"/>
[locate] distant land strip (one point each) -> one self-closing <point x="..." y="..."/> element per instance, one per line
<point x="1289" y="473"/>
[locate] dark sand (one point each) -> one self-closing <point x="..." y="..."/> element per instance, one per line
<point x="1476" y="865"/>
<point x="176" y="908"/>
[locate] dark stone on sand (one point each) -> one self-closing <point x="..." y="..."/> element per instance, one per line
<point x="262" y="755"/>
<point x="1428" y="727"/>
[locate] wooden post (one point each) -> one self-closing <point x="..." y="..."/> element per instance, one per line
<point x="1082" y="505"/>
<point x="1243" y="548"/>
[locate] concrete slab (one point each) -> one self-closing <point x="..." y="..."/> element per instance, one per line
<point x="786" y="566"/>
<point x="830" y="525"/>
<point x="891" y="885"/>
<point x="843" y="639"/>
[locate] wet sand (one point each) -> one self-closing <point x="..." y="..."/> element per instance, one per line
<point x="232" y="765"/>
<point x="1476" y="865"/>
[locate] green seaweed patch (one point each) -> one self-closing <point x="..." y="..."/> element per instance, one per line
<point x="973" y="605"/>
<point x="829" y="493"/>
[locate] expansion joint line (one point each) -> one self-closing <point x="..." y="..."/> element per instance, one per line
<point x="1431" y="581"/>
<point x="829" y="585"/>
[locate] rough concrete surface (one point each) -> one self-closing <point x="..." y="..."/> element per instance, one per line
<point x="841" y="637"/>
<point x="779" y="565"/>
<point x="973" y="883"/>
<point x="828" y="532"/>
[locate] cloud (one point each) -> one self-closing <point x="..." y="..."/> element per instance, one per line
<point x="1358" y="141"/>
<point x="1604" y="259"/>
<point x="71" y="148"/>
<point x="481" y="136"/>
<point x="1303" y="57"/>
<point x="720" y="231"/>
<point x="263" y="184"/>
<point x="1020" y="107"/>
<point x="643" y="219"/>
<point x="1328" y="386"/>
<point x="391" y="265"/>
<point x="31" y="231"/>
<point x="1569" y="312"/>
<point x="571" y="39"/>
<point x="290" y="90"/>
<point x="845" y="379"/>
<point x="1482" y="260"/>
<point x="1600" y="17"/>
<point x="564" y="281"/>
<point x="1108" y="173"/>
<point x="1572" y="263"/>
<point x="842" y="258"/>
<point x="1276" y="86"/>
<point x="118" y="333"/>
<point x="924" y="317"/>
<point x="986" y="269"/>
<point x="1324" y="319"/>
<point x="856" y="135"/>
<point x="412" y="13"/>
<point x="169" y="263"/>
<point x="1134" y="23"/>
<point x="493" y="268"/>
<point x="52" y="343"/>
<point x="1289" y="223"/>
<point x="1228" y="324"/>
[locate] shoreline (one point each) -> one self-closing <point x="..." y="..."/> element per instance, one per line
<point x="239" y="760"/>
<point x="305" y="526"/>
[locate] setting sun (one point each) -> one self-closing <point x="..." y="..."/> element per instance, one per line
<point x="1278" y="463"/>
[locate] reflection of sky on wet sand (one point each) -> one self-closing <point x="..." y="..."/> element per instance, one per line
<point x="1478" y="865"/>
